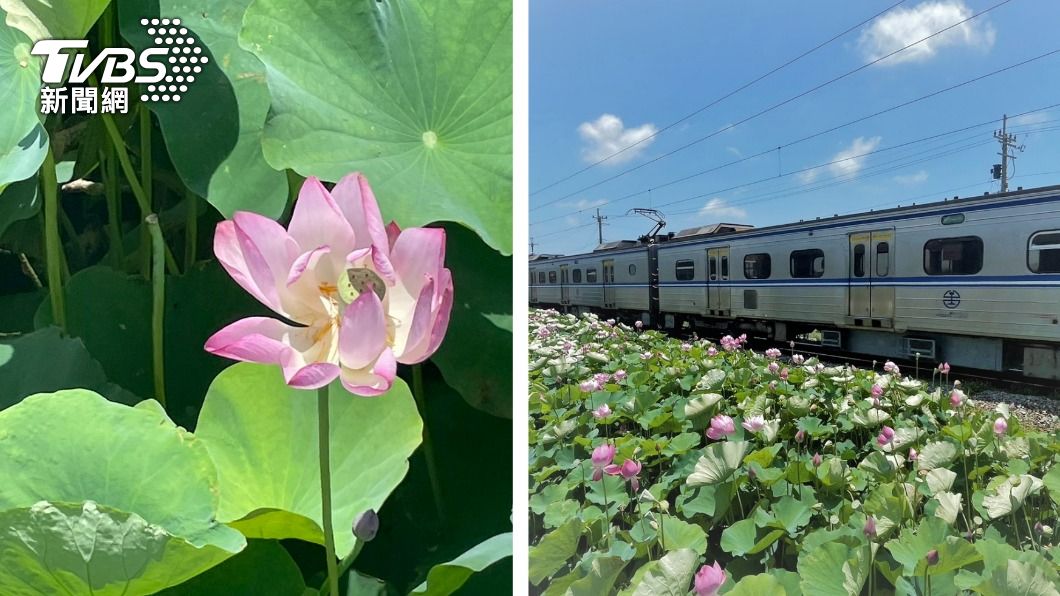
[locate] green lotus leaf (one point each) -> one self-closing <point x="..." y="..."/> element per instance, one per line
<point x="214" y="133"/>
<point x="18" y="201"/>
<point x="415" y="94"/>
<point x="701" y="404"/>
<point x="670" y="574"/>
<point x="1019" y="578"/>
<point x="834" y="569"/>
<point x="44" y="19"/>
<point x="936" y="454"/>
<point x="940" y="479"/>
<point x="264" y="567"/>
<point x="65" y="548"/>
<point x="262" y="435"/>
<point x="446" y="578"/>
<point x="148" y="477"/>
<point x="45" y="361"/>
<point x="741" y="538"/>
<point x="600" y="575"/>
<point x="949" y="506"/>
<point x="1010" y="495"/>
<point x="677" y="535"/>
<point x="718" y="462"/>
<point x="767" y="583"/>
<point x="23" y="140"/>
<point x="550" y="554"/>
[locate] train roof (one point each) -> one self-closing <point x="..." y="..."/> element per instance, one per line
<point x="817" y="222"/>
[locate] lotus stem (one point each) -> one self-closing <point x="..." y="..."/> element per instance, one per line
<point x="428" y="446"/>
<point x="191" y="229"/>
<point x="158" y="306"/>
<point x="134" y="183"/>
<point x="112" y="191"/>
<point x="52" y="244"/>
<point x="323" y="441"/>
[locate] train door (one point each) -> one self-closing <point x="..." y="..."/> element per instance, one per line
<point x="717" y="272"/>
<point x="609" y="283"/>
<point x="871" y="261"/>
<point x="564" y="285"/>
<point x="533" y="286"/>
<point x="881" y="301"/>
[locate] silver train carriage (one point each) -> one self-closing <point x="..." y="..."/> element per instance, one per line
<point x="972" y="281"/>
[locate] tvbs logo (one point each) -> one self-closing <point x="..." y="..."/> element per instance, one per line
<point x="164" y="70"/>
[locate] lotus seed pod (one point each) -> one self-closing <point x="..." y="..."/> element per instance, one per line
<point x="366" y="525"/>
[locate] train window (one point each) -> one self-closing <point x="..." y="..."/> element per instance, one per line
<point x="807" y="263"/>
<point x="577" y="276"/>
<point x="956" y="218"/>
<point x="859" y="260"/>
<point x="632" y="270"/>
<point x="1043" y="252"/>
<point x="757" y="266"/>
<point x="713" y="268"/>
<point x="590" y="276"/>
<point x="685" y="269"/>
<point x="883" y="259"/>
<point x="541" y="277"/>
<point x="953" y="256"/>
<point x="725" y="267"/>
<point x="551" y="277"/>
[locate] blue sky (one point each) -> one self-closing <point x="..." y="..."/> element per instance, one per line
<point x="604" y="74"/>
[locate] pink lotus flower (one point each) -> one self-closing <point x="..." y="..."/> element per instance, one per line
<point x="363" y="296"/>
<point x="602" y="412"/>
<point x="601" y="459"/>
<point x="886" y="437"/>
<point x="709" y="580"/>
<point x="620" y="375"/>
<point x="639" y="324"/>
<point x="798" y="359"/>
<point x="601" y="379"/>
<point x="773" y="368"/>
<point x="956" y="398"/>
<point x="784" y="374"/>
<point x="720" y="427"/>
<point x="543" y="332"/>
<point x="754" y="424"/>
<point x="588" y="386"/>
<point x="628" y="470"/>
<point x="1000" y="426"/>
<point x="772" y="353"/>
<point x="890" y="367"/>
<point x="877" y="390"/>
<point x="645" y="356"/>
<point x="686" y="347"/>
<point x="944" y="368"/>
<point x="712" y="351"/>
<point x="913" y="455"/>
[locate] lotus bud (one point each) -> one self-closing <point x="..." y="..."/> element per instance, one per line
<point x="1000" y="426"/>
<point x="800" y="436"/>
<point x="816" y="460"/>
<point x="366" y="525"/>
<point x="932" y="557"/>
<point x="870" y="528"/>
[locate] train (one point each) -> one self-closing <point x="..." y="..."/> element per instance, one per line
<point x="971" y="281"/>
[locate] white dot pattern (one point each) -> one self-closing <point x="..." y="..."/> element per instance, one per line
<point x="182" y="49"/>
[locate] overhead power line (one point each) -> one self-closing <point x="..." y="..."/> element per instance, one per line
<point x="718" y="100"/>
<point x="776" y="106"/>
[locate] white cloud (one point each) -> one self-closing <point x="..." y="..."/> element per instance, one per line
<point x="583" y="204"/>
<point x="607" y="136"/>
<point x="903" y="26"/>
<point x="915" y="178"/>
<point x="717" y="207"/>
<point x="1032" y="118"/>
<point x="847" y="161"/>
<point x="734" y="151"/>
<point x="808" y="176"/>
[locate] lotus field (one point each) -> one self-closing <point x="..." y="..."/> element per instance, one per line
<point x="662" y="466"/>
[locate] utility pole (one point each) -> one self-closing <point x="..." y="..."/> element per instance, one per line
<point x="1008" y="141"/>
<point x="599" y="225"/>
<point x="532" y="246"/>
